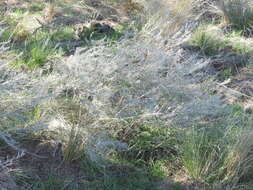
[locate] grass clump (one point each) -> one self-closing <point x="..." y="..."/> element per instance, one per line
<point x="13" y="32"/>
<point x="35" y="55"/>
<point x="63" y="34"/>
<point x="149" y="142"/>
<point x="219" y="154"/>
<point x="201" y="153"/>
<point x="209" y="39"/>
<point x="157" y="169"/>
<point x="38" y="49"/>
<point x="238" y="14"/>
<point x="239" y="161"/>
<point x="239" y="43"/>
<point x="74" y="145"/>
<point x="117" y="175"/>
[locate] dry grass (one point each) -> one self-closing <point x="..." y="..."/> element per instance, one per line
<point x="126" y="97"/>
<point x="181" y="7"/>
<point x="180" y="12"/>
<point x="239" y="163"/>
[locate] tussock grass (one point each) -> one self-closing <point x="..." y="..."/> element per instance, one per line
<point x="36" y="54"/>
<point x="13" y="32"/>
<point x="237" y="13"/>
<point x="148" y="142"/>
<point x="239" y="43"/>
<point x="200" y="153"/>
<point x="45" y="44"/>
<point x="209" y="39"/>
<point x="74" y="145"/>
<point x="37" y="49"/>
<point x="219" y="154"/>
<point x="239" y="161"/>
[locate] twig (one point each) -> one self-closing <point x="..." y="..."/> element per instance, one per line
<point x="235" y="91"/>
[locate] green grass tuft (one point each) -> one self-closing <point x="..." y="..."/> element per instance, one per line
<point x="35" y="55"/>
<point x="149" y="142"/>
<point x="208" y="39"/>
<point x="210" y="153"/>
